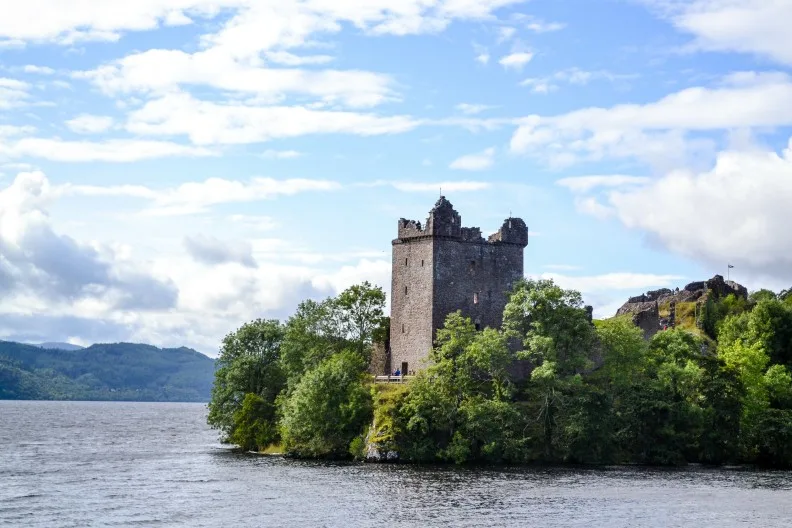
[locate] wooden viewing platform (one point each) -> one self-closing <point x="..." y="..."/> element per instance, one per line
<point x="392" y="379"/>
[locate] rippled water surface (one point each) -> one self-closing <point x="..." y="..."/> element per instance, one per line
<point x="157" y="464"/>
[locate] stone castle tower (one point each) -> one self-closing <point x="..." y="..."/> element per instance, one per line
<point x="443" y="267"/>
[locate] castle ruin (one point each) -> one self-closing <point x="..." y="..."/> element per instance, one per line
<point x="443" y="267"/>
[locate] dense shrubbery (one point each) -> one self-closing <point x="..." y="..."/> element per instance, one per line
<point x="596" y="394"/>
<point x="301" y="384"/>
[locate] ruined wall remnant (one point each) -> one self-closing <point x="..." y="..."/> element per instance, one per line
<point x="644" y="309"/>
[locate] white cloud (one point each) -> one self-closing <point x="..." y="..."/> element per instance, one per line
<point x="613" y="281"/>
<point x="40" y="70"/>
<point x="196" y="197"/>
<point x="229" y="58"/>
<point x="472" y="109"/>
<point x="212" y="251"/>
<point x="90" y="124"/>
<point x="591" y="206"/>
<point x="506" y="33"/>
<point x="483" y="58"/>
<point x="281" y="154"/>
<point x="255" y="222"/>
<point x="607" y="292"/>
<point x="656" y="132"/>
<point x="738" y="212"/>
<point x="290" y="59"/>
<point x="13" y="93"/>
<point x="475" y="162"/>
<point x="41" y="266"/>
<point x="573" y="76"/>
<point x="516" y="60"/>
<point x="207" y="123"/>
<point x="539" y="26"/>
<point x="160" y="71"/>
<point x="114" y="150"/>
<point x="375" y="271"/>
<point x="587" y="183"/>
<point x="747" y="26"/>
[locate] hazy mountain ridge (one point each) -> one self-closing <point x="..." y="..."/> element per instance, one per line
<point x="59" y="346"/>
<point x="114" y="371"/>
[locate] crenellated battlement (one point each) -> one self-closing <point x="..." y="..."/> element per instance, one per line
<point x="513" y="231"/>
<point x="444" y="221"/>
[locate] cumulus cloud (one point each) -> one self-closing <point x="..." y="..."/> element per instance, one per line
<point x="37" y="261"/>
<point x="475" y="162"/>
<point x="57" y="287"/>
<point x="736" y="212"/>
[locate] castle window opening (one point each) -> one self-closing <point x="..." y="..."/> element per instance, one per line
<point x="405" y="290"/>
<point x="422" y="263"/>
<point x="472" y="264"/>
<point x="402" y="328"/>
<point x="405" y="262"/>
<point x="478" y="327"/>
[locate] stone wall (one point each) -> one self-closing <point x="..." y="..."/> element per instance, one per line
<point x="411" y="332"/>
<point x="444" y="267"/>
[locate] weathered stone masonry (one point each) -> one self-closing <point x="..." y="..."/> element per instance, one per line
<point x="443" y="267"/>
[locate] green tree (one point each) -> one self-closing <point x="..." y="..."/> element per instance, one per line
<point x="329" y="407"/>
<point x="761" y="295"/>
<point x="458" y="409"/>
<point x="361" y="310"/>
<point x="557" y="337"/>
<point x="249" y="363"/>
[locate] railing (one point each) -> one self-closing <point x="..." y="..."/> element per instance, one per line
<point x="392" y="379"/>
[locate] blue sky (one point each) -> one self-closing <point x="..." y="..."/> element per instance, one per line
<point x="172" y="168"/>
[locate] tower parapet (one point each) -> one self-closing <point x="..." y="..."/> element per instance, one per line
<point x="513" y="231"/>
<point x="444" y="221"/>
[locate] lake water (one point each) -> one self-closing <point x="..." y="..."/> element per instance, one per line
<point x="157" y="464"/>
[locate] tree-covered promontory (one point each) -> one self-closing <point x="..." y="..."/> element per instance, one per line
<point x="549" y="386"/>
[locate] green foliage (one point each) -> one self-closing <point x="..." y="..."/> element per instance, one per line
<point x="329" y="407"/>
<point x="596" y="394"/>
<point x="762" y="295"/>
<point x="248" y="372"/>
<point x="254" y="427"/>
<point x="120" y="371"/>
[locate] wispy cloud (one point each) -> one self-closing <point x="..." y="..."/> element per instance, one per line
<point x="475" y="162"/>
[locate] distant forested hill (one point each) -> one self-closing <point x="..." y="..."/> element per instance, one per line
<point x="119" y="371"/>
